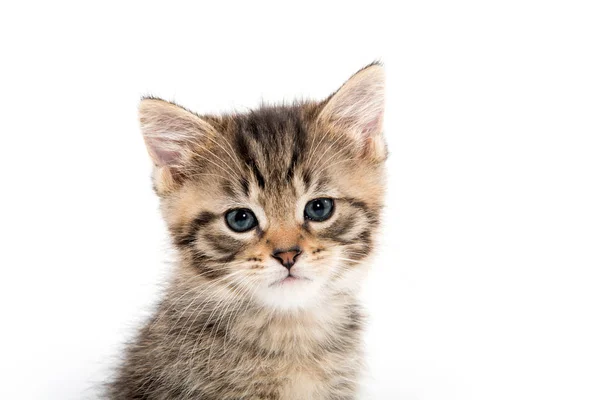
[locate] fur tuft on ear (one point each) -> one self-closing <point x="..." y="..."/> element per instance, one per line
<point x="170" y="133"/>
<point x="357" y="109"/>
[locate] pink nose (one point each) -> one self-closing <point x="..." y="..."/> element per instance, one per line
<point x="288" y="257"/>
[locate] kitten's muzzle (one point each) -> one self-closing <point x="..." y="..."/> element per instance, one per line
<point x="288" y="257"/>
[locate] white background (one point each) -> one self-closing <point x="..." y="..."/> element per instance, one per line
<point x="487" y="284"/>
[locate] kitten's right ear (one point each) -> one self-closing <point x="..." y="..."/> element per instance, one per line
<point x="170" y="133"/>
<point x="357" y="110"/>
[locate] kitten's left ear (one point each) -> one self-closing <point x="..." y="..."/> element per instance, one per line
<point x="357" y="109"/>
<point x="172" y="135"/>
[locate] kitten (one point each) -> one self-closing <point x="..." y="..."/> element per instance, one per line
<point x="273" y="214"/>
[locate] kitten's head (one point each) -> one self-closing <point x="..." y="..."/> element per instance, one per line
<point x="278" y="205"/>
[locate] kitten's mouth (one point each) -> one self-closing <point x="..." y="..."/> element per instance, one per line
<point x="289" y="280"/>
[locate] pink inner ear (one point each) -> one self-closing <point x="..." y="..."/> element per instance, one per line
<point x="167" y="157"/>
<point x="373" y="127"/>
<point x="164" y="156"/>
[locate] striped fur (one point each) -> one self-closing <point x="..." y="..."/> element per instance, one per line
<point x="228" y="328"/>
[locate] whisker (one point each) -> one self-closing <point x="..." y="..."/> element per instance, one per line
<point x="227" y="152"/>
<point x="197" y="313"/>
<point x="202" y="291"/>
<point x="232" y="176"/>
<point x="313" y="149"/>
<point x="216" y="326"/>
<point x="223" y="161"/>
<point x="329" y="148"/>
<point x="256" y="287"/>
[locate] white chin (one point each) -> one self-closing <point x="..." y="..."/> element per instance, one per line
<point x="291" y="294"/>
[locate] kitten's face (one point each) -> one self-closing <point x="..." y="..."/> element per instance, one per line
<point x="279" y="205"/>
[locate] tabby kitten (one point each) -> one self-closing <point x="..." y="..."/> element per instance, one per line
<point x="273" y="213"/>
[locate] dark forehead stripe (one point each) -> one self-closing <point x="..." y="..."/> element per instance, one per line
<point x="272" y="142"/>
<point x="299" y="146"/>
<point x="241" y="142"/>
<point x="294" y="161"/>
<point x="257" y="174"/>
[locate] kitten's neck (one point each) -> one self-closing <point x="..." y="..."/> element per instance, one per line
<point x="301" y="331"/>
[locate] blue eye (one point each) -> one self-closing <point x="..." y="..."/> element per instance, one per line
<point x="240" y="220"/>
<point x="318" y="209"/>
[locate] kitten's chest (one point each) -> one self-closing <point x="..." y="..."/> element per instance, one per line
<point x="304" y="384"/>
<point x="332" y="376"/>
<point x="309" y="361"/>
<point x="317" y="375"/>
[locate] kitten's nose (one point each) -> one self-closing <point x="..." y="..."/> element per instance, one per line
<point x="287" y="258"/>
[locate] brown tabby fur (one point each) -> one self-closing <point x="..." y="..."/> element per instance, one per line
<point x="221" y="331"/>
